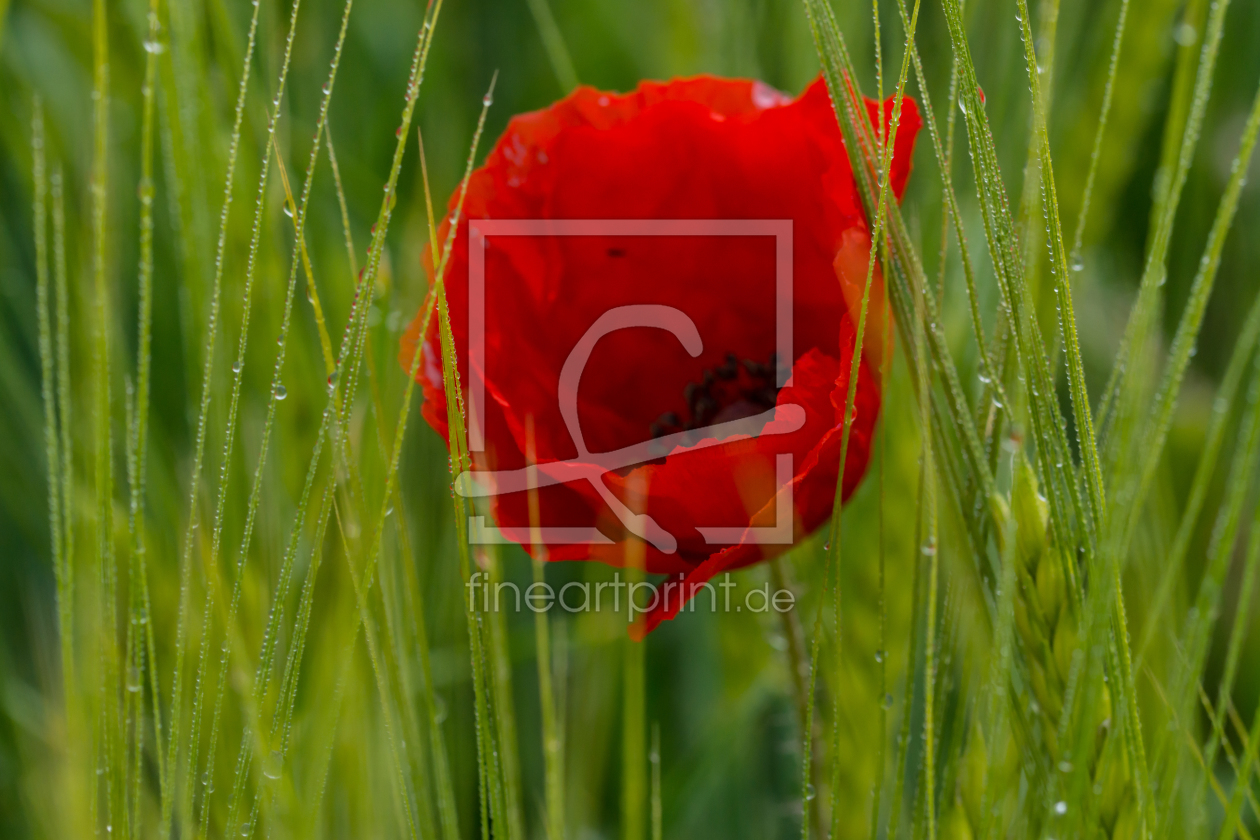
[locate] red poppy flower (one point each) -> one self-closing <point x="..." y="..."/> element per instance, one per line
<point x="702" y="148"/>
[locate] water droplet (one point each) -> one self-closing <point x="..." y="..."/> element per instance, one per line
<point x="245" y="829"/>
<point x="1065" y="767"/>
<point x="281" y="391"/>
<point x="879" y="656"/>
<point x="236" y="366"/>
<point x="929" y="549"/>
<point x="134" y="682"/>
<point x="288" y="210"/>
<point x="439" y="708"/>
<point x="398" y="131"/>
<point x="327" y="88"/>
<point x="487" y="100"/>
<point x="888" y="701"/>
<point x="154" y="47"/>
<point x="1060" y="808"/>
<point x="271" y="769"/>
<point x="1185" y="35"/>
<point x="389" y="510"/>
<point x="810" y="793"/>
<point x="827" y="545"/>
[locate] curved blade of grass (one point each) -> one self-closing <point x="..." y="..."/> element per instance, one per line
<point x="553" y="43"/>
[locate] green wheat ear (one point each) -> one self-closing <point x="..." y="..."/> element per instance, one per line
<point x="1048" y="636"/>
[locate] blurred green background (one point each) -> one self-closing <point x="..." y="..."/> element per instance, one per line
<point x="718" y="685"/>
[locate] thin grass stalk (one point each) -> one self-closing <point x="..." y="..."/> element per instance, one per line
<point x="1154" y="273"/>
<point x="56" y="416"/>
<point x="1197" y="636"/>
<point x="1113" y="65"/>
<point x="553" y="755"/>
<point x="913" y="645"/>
<point x="877" y="225"/>
<point x="1233" y="813"/>
<point x="1193" y="15"/>
<point x="654" y="758"/>
<point x="65" y="470"/>
<point x="312" y="290"/>
<point x="52" y="441"/>
<point x="489" y="783"/>
<point x="397" y="663"/>
<point x="990" y="377"/>
<point x="907" y="269"/>
<point x="1063" y="289"/>
<point x="1160" y="418"/>
<point x="362" y="586"/>
<point x="553" y="42"/>
<point x="1085" y="429"/>
<point x="504" y="705"/>
<point x="998" y="709"/>
<point x="634" y="794"/>
<point x="445" y="786"/>
<point x="1226" y="686"/>
<point x="928" y="512"/>
<point x="108" y="709"/>
<point x="332" y="419"/>
<point x="1149" y="444"/>
<point x="881" y="650"/>
<point x="1213" y="439"/>
<point x="1192" y="747"/>
<point x="191" y="533"/>
<point x="138" y="634"/>
<point x="808" y="755"/>
<point x="1067" y="508"/>
<point x="230" y="438"/>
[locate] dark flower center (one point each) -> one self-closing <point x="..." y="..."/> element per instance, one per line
<point x="733" y="390"/>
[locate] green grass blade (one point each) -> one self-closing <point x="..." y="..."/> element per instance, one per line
<point x="184" y="781"/>
<point x="553" y="43"/>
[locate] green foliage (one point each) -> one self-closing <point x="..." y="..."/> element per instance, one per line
<point x="234" y="601"/>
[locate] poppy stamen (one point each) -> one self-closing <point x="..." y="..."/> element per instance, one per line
<point x="733" y="390"/>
